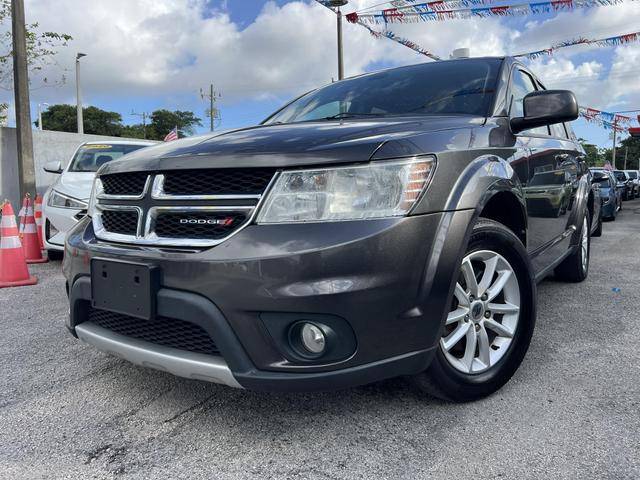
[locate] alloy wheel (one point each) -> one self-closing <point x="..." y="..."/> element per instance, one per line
<point x="584" y="245"/>
<point x="484" y="314"/>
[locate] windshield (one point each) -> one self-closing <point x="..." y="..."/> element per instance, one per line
<point x="440" y="88"/>
<point x="620" y="176"/>
<point x="89" y="158"/>
<point x="633" y="175"/>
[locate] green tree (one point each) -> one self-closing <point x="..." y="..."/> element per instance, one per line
<point x="595" y="157"/>
<point x="135" y="131"/>
<point x="163" y="121"/>
<point x="63" y="118"/>
<point x="41" y="48"/>
<point x="631" y="147"/>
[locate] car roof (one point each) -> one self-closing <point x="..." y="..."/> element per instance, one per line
<point x="121" y="142"/>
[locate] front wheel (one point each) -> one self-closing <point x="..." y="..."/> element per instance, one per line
<point x="488" y="329"/>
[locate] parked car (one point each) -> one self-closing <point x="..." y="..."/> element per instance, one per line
<point x="633" y="175"/>
<point x="374" y="227"/>
<point x="65" y="202"/>
<point x="609" y="194"/>
<point x="625" y="183"/>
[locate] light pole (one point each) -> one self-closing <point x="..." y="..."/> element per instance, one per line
<point x="78" y="96"/>
<point x="337" y="4"/>
<point x="40" y="105"/>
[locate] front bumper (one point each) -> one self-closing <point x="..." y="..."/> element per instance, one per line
<point x="389" y="281"/>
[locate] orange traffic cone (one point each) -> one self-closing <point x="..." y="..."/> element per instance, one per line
<point x="21" y="214"/>
<point x="37" y="212"/>
<point x="30" y="242"/>
<point x="13" y="267"/>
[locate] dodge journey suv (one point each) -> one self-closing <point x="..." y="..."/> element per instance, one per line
<point x="394" y="223"/>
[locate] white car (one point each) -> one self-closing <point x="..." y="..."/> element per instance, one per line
<point x="65" y="202"/>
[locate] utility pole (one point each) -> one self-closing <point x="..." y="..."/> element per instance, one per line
<point x="40" y="105"/>
<point x="144" y="116"/>
<point x="626" y="151"/>
<point x="213" y="112"/>
<point x="613" y="150"/>
<point x="337" y="4"/>
<point x="26" y="171"/>
<point x="78" y="95"/>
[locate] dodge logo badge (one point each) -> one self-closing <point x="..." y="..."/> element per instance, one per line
<point x="208" y="221"/>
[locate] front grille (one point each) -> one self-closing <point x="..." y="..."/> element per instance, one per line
<point x="168" y="332"/>
<point x="198" y="225"/>
<point x="124" y="222"/>
<point x="236" y="181"/>
<point x="124" y="183"/>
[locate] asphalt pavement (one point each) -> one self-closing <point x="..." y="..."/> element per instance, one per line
<point x="572" y="411"/>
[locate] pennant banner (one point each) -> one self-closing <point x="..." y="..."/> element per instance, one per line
<point x="600" y="42"/>
<point x="607" y="120"/>
<point x="463" y="9"/>
<point x="391" y="36"/>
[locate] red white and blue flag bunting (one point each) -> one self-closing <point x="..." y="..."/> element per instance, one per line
<point x="392" y="36"/>
<point x="600" y="42"/>
<point x="607" y="120"/>
<point x="463" y="9"/>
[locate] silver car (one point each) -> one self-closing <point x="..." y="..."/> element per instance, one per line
<point x="633" y="174"/>
<point x="65" y="202"/>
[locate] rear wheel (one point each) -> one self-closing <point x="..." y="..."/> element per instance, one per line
<point x="488" y="329"/>
<point x="598" y="230"/>
<point x="575" y="267"/>
<point x="54" y="254"/>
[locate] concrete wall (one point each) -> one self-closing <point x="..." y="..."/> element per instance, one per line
<point x="47" y="146"/>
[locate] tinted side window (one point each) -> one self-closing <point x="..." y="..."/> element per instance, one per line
<point x="521" y="85"/>
<point x="570" y="134"/>
<point x="557" y="130"/>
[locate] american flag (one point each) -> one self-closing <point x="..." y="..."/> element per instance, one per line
<point x="607" y="166"/>
<point x="172" y="135"/>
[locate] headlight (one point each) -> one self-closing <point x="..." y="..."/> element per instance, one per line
<point x="56" y="199"/>
<point x="376" y="190"/>
<point x="96" y="190"/>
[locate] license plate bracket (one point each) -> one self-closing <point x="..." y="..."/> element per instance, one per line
<point x="124" y="287"/>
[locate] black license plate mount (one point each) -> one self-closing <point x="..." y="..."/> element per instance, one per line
<point x="124" y="287"/>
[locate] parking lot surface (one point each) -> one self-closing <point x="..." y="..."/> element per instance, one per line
<point x="571" y="411"/>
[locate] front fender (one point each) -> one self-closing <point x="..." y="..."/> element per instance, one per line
<point x="483" y="178"/>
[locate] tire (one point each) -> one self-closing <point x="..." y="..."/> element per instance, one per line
<point x="575" y="267"/>
<point x="54" y="254"/>
<point x="598" y="231"/>
<point x="460" y="379"/>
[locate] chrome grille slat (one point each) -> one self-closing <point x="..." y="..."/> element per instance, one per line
<point x="153" y="204"/>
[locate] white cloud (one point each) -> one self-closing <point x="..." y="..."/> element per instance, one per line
<point x="174" y="47"/>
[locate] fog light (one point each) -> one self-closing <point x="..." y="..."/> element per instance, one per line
<point x="312" y="338"/>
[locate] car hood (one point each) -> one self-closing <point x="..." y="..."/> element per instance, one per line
<point x="295" y="144"/>
<point x="75" y="184"/>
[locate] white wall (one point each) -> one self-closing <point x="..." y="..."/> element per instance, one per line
<point x="47" y="146"/>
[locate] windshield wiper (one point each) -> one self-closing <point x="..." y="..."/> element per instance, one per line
<point x="352" y="115"/>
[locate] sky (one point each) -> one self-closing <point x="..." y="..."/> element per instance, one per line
<point x="143" y="55"/>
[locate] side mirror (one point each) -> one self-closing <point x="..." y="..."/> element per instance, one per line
<point x="53" y="167"/>
<point x="546" y="107"/>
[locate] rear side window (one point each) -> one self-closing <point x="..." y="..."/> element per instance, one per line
<point x="522" y="84"/>
<point x="557" y="130"/>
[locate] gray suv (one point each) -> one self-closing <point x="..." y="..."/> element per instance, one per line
<point x="394" y="223"/>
